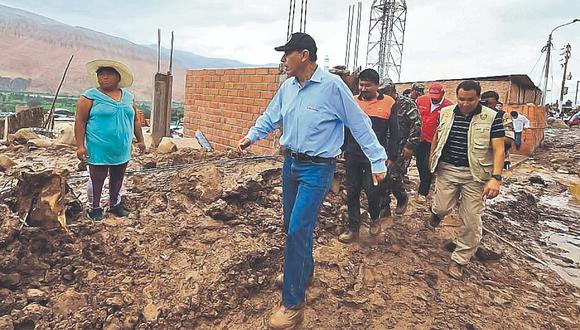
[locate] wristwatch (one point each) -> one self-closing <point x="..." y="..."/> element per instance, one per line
<point x="497" y="177"/>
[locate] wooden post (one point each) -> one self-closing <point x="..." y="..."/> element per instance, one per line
<point x="161" y="117"/>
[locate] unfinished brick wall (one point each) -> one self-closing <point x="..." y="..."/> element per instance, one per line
<point x="509" y="93"/>
<point x="224" y="104"/>
<point x="501" y="87"/>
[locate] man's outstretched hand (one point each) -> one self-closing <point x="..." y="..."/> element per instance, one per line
<point x="378" y="178"/>
<point x="244" y="144"/>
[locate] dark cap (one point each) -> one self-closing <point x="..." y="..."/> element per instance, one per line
<point x="419" y="87"/>
<point x="299" y="41"/>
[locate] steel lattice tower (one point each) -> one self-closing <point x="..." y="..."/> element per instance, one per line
<point x="386" y="36"/>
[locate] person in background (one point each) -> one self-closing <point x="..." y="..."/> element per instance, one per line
<point x="105" y="123"/>
<point x="383" y="117"/>
<point x="417" y="90"/>
<point x="409" y="133"/>
<point x="521" y="123"/>
<point x="490" y="99"/>
<point x="429" y="107"/>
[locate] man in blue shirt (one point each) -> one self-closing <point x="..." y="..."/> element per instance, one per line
<point x="313" y="107"/>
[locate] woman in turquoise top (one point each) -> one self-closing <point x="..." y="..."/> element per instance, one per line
<point x="104" y="127"/>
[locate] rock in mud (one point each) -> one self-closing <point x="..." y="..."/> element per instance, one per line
<point x="39" y="143"/>
<point x="9" y="224"/>
<point x="220" y="210"/>
<point x="6" y="163"/>
<point x="151" y="312"/>
<point x="537" y="179"/>
<point x="23" y="135"/>
<point x="559" y="123"/>
<point x="205" y="184"/>
<point x="6" y="323"/>
<point x="10" y="280"/>
<point x="67" y="136"/>
<point x="36" y="296"/>
<point x="166" y="146"/>
<point x="35" y="312"/>
<point x="42" y="198"/>
<point x="69" y="302"/>
<point x="116" y="301"/>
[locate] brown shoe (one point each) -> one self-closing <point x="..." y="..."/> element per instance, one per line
<point x="455" y="270"/>
<point x="348" y="236"/>
<point x="286" y="318"/>
<point x="433" y="222"/>
<point x="375" y="227"/>
<point x="420" y="199"/>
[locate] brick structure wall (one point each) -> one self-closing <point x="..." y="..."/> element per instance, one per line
<point x="501" y="87"/>
<point x="224" y="104"/>
<point x="509" y="93"/>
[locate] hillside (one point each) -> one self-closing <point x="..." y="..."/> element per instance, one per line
<point x="36" y="49"/>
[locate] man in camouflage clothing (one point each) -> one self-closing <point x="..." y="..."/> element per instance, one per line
<point x="409" y="133"/>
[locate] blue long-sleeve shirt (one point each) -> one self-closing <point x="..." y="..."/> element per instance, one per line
<point x="313" y="117"/>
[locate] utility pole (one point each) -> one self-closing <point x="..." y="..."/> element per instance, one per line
<point x="548" y="48"/>
<point x="567" y="52"/>
<point x="576" y="96"/>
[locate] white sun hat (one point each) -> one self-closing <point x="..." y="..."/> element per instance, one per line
<point x="122" y="69"/>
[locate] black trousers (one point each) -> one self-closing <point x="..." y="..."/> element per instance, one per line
<point x="422" y="156"/>
<point x="359" y="176"/>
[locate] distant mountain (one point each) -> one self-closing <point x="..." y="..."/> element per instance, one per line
<point x="194" y="61"/>
<point x="35" y="50"/>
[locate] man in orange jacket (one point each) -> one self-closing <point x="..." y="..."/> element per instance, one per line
<point x="429" y="107"/>
<point x="383" y="115"/>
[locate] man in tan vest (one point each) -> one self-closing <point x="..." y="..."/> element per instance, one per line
<point x="467" y="157"/>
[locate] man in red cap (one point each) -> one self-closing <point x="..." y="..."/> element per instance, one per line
<point x="429" y="107"/>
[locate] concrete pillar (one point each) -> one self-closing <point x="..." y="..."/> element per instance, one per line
<point x="161" y="116"/>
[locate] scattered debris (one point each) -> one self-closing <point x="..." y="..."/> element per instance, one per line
<point x="558" y="123"/>
<point x="166" y="146"/>
<point x="42" y="198"/>
<point x="205" y="241"/>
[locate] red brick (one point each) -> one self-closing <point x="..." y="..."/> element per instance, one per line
<point x="270" y="79"/>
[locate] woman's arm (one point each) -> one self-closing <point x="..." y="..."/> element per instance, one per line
<point x="81" y="117"/>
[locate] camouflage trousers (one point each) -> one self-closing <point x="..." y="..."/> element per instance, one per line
<point x="395" y="181"/>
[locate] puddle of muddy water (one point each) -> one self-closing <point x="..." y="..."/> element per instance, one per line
<point x="570" y="245"/>
<point x="565" y="259"/>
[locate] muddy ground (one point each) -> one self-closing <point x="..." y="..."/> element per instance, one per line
<point x="204" y="243"/>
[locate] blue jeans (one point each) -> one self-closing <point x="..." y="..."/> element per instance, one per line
<point x="304" y="187"/>
<point x="518" y="140"/>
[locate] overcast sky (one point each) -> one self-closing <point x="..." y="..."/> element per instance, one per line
<point x="443" y="39"/>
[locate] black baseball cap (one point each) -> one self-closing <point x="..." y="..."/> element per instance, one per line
<point x="299" y="41"/>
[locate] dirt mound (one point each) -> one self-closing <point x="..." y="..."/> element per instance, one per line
<point x="204" y="243"/>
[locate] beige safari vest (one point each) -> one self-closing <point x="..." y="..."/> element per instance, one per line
<point x="480" y="152"/>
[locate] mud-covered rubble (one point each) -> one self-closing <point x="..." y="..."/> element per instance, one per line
<point x="204" y="242"/>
